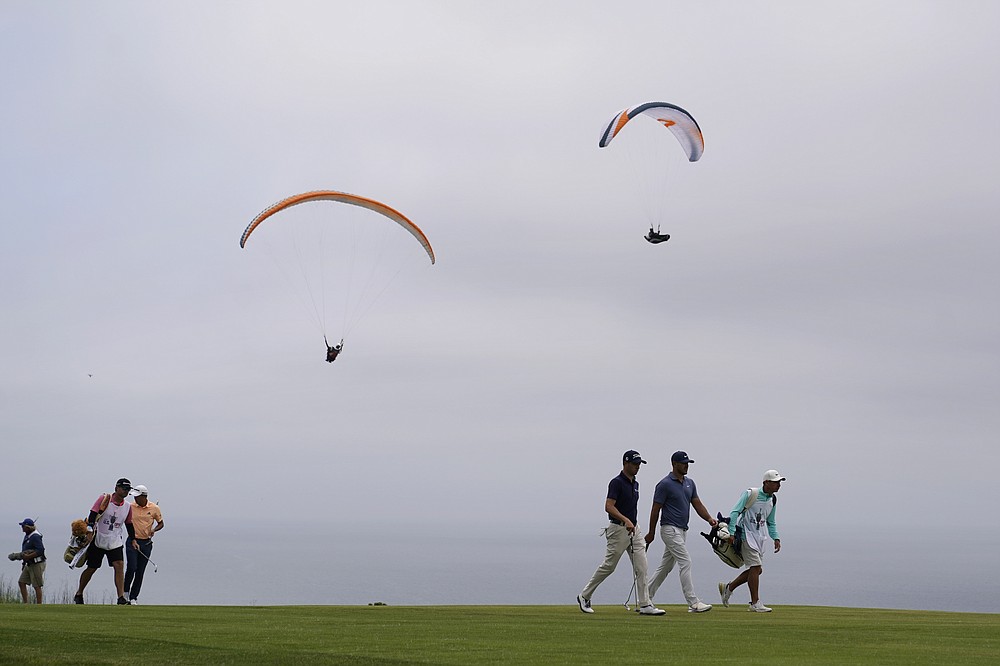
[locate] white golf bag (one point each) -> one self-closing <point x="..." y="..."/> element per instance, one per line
<point x="718" y="537"/>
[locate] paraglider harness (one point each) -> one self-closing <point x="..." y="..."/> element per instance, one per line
<point x="655" y="237"/>
<point x="333" y="352"/>
<point x="718" y="536"/>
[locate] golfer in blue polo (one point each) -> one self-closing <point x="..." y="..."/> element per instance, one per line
<point x="673" y="498"/>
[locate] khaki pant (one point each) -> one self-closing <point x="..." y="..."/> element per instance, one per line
<point x="618" y="543"/>
<point x="32" y="574"/>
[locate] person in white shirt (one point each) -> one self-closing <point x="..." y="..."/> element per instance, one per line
<point x="754" y="521"/>
<point x="108" y="516"/>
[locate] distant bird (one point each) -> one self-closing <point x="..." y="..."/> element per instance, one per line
<point x="89" y="375"/>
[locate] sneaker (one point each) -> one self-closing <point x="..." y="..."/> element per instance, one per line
<point x="78" y="599"/>
<point x="698" y="607"/>
<point x="651" y="610"/>
<point x="133" y="602"/>
<point x="584" y="604"/>
<point x="122" y="601"/>
<point x="758" y="608"/>
<point x="726" y="593"/>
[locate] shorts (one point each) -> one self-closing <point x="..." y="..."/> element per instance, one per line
<point x="751" y="558"/>
<point x="33" y="575"/>
<point x="95" y="555"/>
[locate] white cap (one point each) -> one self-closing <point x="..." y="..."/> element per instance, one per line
<point x="141" y="490"/>
<point x="769" y="475"/>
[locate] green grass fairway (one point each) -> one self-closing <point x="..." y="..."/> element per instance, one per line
<point x="61" y="634"/>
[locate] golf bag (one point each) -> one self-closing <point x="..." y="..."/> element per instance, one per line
<point x="77" y="542"/>
<point x="718" y="537"/>
<point x="76" y="551"/>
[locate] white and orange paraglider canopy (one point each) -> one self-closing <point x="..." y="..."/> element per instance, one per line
<point x="341" y="197"/>
<point x="677" y="120"/>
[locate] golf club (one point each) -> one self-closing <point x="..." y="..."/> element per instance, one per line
<point x="635" y="579"/>
<point x="628" y="599"/>
<point x="149" y="560"/>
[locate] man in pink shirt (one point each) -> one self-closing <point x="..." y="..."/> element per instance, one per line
<point x="107" y="517"/>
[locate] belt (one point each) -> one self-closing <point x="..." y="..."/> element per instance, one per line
<point x="617" y="522"/>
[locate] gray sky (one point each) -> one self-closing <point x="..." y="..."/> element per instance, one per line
<point x="826" y="306"/>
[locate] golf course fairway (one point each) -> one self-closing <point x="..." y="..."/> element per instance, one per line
<point x="104" y="634"/>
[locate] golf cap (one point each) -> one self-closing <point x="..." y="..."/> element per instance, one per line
<point x="124" y="483"/>
<point x="140" y="490"/>
<point x="680" y="457"/>
<point x="632" y="457"/>
<point x="772" y="475"/>
<point x="27" y="521"/>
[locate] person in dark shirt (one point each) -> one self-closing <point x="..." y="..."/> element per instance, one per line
<point x="655" y="237"/>
<point x="333" y="352"/>
<point x="623" y="535"/>
<point x="32" y="556"/>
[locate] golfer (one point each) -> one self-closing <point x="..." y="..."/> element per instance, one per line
<point x="146" y="520"/>
<point x="622" y="534"/>
<point x="754" y="517"/>
<point x="673" y="498"/>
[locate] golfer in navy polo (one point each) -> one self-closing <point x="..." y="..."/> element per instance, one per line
<point x="622" y="534"/>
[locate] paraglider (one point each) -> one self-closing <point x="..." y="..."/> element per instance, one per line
<point x="333" y="352"/>
<point x="649" y="168"/>
<point x="655" y="237"/>
<point x="336" y="261"/>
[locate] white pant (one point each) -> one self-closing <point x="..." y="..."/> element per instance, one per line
<point x="618" y="542"/>
<point x="674" y="552"/>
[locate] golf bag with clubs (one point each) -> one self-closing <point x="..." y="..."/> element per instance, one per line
<point x="718" y="537"/>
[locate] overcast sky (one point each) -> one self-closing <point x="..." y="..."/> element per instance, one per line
<point x="827" y="304"/>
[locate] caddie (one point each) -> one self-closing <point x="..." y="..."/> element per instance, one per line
<point x="108" y="516"/>
<point x="753" y="515"/>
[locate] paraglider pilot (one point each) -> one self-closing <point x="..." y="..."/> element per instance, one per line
<point x="655" y="237"/>
<point x="334" y="351"/>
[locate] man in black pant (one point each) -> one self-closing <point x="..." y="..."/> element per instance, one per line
<point x="146" y="519"/>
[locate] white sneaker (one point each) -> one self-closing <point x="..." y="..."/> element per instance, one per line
<point x="699" y="607"/>
<point x="651" y="610"/>
<point x="758" y="607"/>
<point x="726" y="593"/>
<point x="584" y="604"/>
<point x="133" y="602"/>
